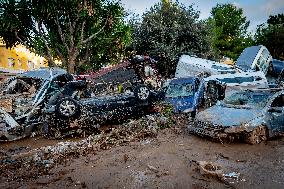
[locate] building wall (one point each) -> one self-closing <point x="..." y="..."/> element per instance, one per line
<point x="19" y="59"/>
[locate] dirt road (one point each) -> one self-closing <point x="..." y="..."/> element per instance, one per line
<point x="167" y="161"/>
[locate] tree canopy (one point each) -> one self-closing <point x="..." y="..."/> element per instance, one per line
<point x="74" y="31"/>
<point x="169" y="29"/>
<point x="271" y="35"/>
<point x="229" y="27"/>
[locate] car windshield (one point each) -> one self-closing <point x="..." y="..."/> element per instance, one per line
<point x="179" y="90"/>
<point x="247" y="99"/>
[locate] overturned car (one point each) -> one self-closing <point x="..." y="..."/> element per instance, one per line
<point x="23" y="97"/>
<point x="66" y="113"/>
<point x="251" y="116"/>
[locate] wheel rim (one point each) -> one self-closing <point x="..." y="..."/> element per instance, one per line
<point x="67" y="108"/>
<point x="143" y="93"/>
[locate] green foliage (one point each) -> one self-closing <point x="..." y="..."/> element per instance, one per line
<point x="168" y="30"/>
<point x="229" y="28"/>
<point x="78" y="32"/>
<point x="271" y="35"/>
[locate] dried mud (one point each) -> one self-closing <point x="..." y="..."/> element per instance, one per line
<point x="169" y="160"/>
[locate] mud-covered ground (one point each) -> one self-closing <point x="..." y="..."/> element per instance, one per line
<point x="169" y="160"/>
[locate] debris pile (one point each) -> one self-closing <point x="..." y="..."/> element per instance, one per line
<point x="42" y="159"/>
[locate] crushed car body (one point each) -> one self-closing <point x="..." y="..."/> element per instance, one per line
<point x="63" y="114"/>
<point x="22" y="99"/>
<point x="256" y="58"/>
<point x="250" y="115"/>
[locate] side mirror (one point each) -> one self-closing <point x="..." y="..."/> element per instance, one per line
<point x="275" y="110"/>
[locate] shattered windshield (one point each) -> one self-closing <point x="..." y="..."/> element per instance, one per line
<point x="179" y="90"/>
<point x="250" y="99"/>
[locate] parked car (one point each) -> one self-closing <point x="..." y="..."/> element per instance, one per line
<point x="23" y="98"/>
<point x="251" y="116"/>
<point x="61" y="114"/>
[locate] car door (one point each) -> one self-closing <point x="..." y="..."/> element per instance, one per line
<point x="121" y="105"/>
<point x="275" y="115"/>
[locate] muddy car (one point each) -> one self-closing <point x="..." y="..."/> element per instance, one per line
<point x="185" y="94"/>
<point x="69" y="113"/>
<point x="24" y="96"/>
<point x="188" y="94"/>
<point x="251" y="116"/>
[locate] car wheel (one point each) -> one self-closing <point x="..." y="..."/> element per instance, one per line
<point x="142" y="92"/>
<point x="257" y="135"/>
<point x="67" y="107"/>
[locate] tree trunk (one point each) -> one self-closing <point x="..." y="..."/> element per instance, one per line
<point x="71" y="66"/>
<point x="72" y="60"/>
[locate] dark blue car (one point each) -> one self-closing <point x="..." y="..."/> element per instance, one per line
<point x="185" y="94"/>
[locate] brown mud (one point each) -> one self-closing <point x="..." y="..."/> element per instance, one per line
<point x="169" y="160"/>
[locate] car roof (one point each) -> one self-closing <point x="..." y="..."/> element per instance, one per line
<point x="44" y="73"/>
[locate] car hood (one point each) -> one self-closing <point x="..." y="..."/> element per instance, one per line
<point x="228" y="116"/>
<point x="181" y="103"/>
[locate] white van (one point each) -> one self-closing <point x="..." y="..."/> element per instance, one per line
<point x="192" y="66"/>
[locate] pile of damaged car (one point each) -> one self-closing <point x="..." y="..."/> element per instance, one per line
<point x="242" y="103"/>
<point x="53" y="102"/>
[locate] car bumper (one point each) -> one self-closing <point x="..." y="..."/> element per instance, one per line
<point x="205" y="129"/>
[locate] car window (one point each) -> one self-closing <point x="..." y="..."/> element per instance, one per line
<point x="179" y="90"/>
<point x="278" y="102"/>
<point x="238" y="80"/>
<point x="220" y="67"/>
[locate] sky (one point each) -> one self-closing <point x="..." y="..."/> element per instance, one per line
<point x="256" y="11"/>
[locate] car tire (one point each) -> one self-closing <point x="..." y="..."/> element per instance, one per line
<point x="67" y="107"/>
<point x="142" y="92"/>
<point x="257" y="135"/>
